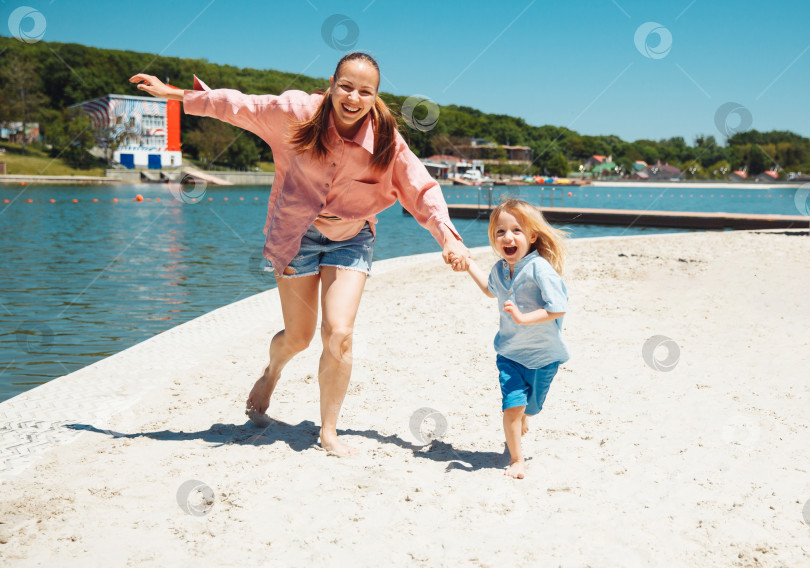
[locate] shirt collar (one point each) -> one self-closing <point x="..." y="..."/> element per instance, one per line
<point x="522" y="262"/>
<point x="364" y="137"/>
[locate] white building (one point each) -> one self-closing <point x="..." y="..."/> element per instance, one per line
<point x="150" y="129"/>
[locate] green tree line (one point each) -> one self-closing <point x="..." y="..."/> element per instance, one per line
<point x="53" y="76"/>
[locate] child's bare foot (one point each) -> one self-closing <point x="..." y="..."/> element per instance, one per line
<point x="516" y="470"/>
<point x="332" y="445"/>
<point x="524" y="427"/>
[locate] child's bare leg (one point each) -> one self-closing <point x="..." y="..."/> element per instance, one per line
<point x="524" y="425"/>
<point x="512" y="427"/>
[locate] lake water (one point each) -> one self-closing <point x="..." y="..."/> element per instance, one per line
<point x="82" y="281"/>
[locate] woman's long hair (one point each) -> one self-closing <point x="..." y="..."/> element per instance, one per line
<point x="550" y="242"/>
<point x="311" y="134"/>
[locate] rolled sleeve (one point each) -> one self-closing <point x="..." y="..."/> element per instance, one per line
<point x="491" y="281"/>
<point x="421" y="195"/>
<point x="552" y="289"/>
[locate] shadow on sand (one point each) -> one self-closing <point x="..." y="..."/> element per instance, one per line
<point x="304" y="435"/>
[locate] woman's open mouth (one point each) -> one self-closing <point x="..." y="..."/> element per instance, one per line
<point x="351" y="109"/>
<point x="509" y="250"/>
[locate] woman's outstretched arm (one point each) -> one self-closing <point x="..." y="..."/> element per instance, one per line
<point x="156" y="87"/>
<point x="263" y="115"/>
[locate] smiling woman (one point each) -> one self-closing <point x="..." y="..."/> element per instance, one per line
<point x="339" y="161"/>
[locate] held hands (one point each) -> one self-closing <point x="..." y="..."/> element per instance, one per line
<point x="456" y="255"/>
<point x="156" y="87"/>
<point x="458" y="263"/>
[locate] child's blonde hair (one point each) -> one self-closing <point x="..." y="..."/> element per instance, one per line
<point x="550" y="242"/>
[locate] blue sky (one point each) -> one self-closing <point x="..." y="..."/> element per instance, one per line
<point x="573" y="63"/>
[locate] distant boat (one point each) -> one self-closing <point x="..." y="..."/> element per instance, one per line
<point x="472" y="177"/>
<point x="541" y="180"/>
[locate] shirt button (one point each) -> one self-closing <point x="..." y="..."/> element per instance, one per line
<point x="334" y="164"/>
<point x="510" y="292"/>
<point x="326" y="185"/>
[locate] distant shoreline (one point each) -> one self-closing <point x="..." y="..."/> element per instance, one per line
<point x="74" y="180"/>
<point x="13" y="179"/>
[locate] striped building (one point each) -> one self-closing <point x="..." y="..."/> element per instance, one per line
<point x="149" y="129"/>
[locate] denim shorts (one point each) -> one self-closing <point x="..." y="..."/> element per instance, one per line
<point x="521" y="386"/>
<point x="317" y="250"/>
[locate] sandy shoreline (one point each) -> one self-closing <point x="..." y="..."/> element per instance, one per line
<point x="703" y="464"/>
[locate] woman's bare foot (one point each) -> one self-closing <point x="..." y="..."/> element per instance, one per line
<point x="259" y="398"/>
<point x="524" y="427"/>
<point x="516" y="470"/>
<point x="334" y="447"/>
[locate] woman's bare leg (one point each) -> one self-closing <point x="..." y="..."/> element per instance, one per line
<point x="299" y="308"/>
<point x="340" y="298"/>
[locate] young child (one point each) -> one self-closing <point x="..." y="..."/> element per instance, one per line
<point x="532" y="302"/>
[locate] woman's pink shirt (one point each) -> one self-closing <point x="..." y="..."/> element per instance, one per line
<point x="343" y="184"/>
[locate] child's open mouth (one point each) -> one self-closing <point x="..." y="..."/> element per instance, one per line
<point x="509" y="251"/>
<point x="351" y="110"/>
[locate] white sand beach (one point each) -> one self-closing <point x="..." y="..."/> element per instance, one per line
<point x="701" y="462"/>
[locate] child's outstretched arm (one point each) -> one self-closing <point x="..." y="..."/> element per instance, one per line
<point x="477" y="275"/>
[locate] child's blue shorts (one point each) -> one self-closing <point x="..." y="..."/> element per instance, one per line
<point x="521" y="386"/>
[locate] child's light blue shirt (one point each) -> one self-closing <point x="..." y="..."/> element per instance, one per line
<point x="534" y="285"/>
